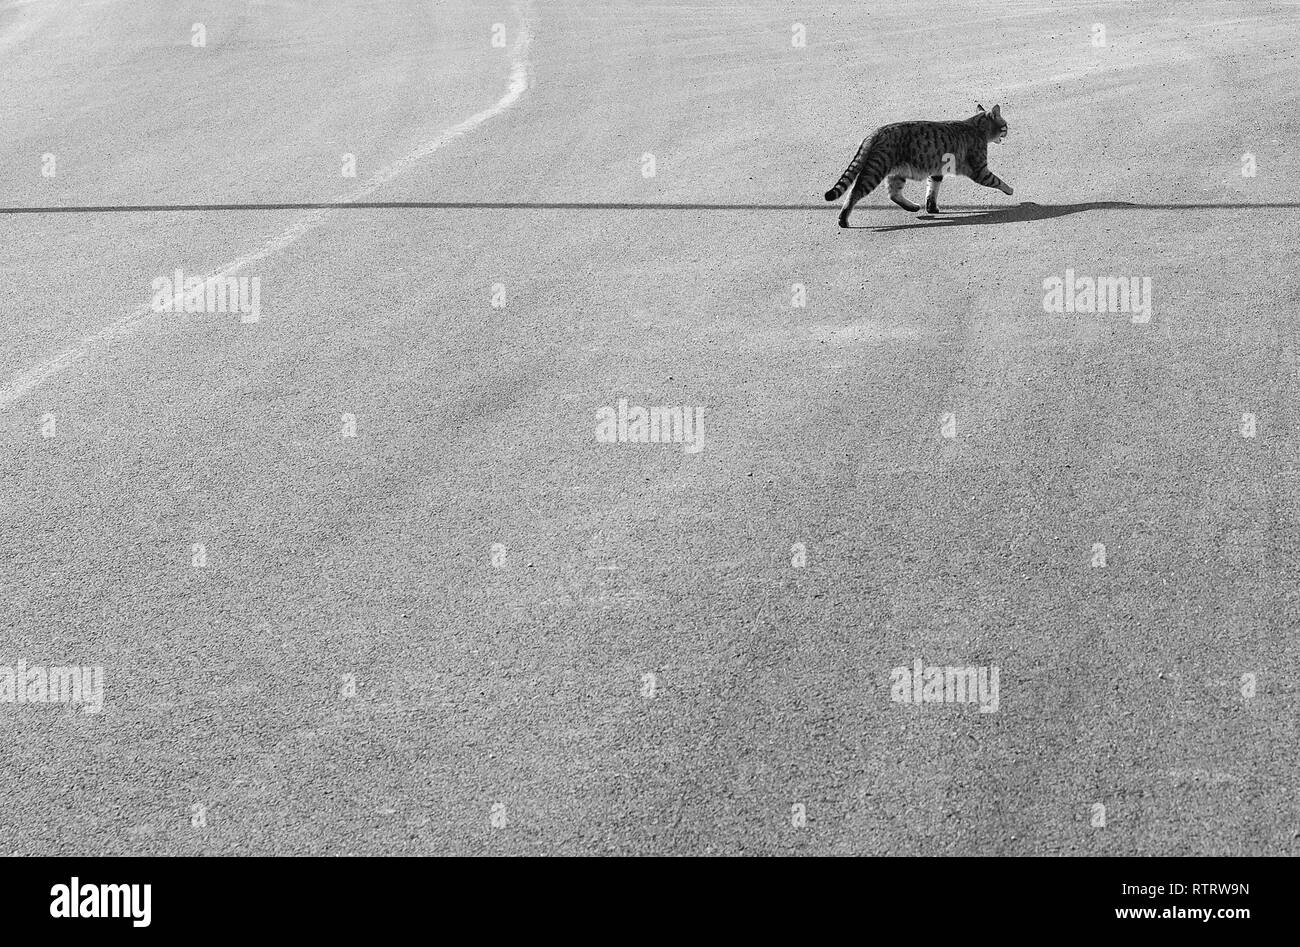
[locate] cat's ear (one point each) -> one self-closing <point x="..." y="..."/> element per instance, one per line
<point x="997" y="111"/>
<point x="978" y="106"/>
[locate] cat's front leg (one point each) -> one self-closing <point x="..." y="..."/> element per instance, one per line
<point x="982" y="175"/>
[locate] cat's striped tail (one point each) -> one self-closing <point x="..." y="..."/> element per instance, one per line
<point x="851" y="172"/>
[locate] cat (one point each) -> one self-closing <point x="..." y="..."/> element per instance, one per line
<point x="918" y="150"/>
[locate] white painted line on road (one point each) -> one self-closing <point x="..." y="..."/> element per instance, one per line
<point x="22" y="27"/>
<point x="1206" y="26"/>
<point x="23" y="382"/>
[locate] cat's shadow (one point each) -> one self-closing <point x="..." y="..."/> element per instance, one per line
<point x="1027" y="211"/>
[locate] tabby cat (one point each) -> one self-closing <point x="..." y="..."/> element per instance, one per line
<point x="918" y="150"/>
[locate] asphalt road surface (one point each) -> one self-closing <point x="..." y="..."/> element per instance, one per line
<point x="362" y="578"/>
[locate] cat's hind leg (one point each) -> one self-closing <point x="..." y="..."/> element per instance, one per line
<point x="855" y="194"/>
<point x="896" y="182"/>
<point x="932" y="193"/>
<point x="873" y="169"/>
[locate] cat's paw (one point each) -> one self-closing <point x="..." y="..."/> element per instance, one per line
<point x="844" y="222"/>
<point x="931" y="208"/>
<point x="1007" y="189"/>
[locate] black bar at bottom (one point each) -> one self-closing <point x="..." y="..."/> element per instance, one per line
<point x="333" y="898"/>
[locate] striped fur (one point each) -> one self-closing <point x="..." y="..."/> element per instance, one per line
<point x="920" y="151"/>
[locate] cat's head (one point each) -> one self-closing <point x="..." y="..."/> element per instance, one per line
<point x="991" y="123"/>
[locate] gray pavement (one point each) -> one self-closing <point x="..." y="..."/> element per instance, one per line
<point x="432" y="612"/>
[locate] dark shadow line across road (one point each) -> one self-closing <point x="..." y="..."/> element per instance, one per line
<point x="990" y="213"/>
